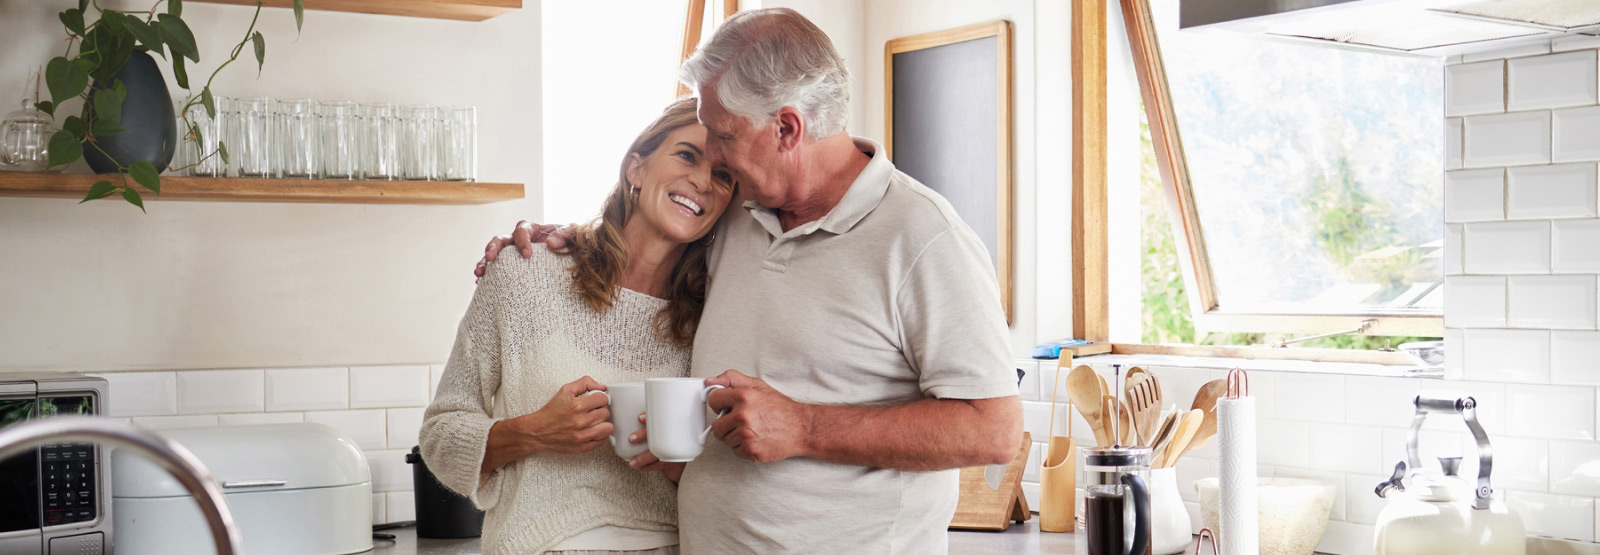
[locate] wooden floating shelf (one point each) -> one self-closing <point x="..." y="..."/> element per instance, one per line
<point x="463" y="10"/>
<point x="239" y="189"/>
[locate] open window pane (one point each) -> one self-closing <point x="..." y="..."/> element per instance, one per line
<point x="1316" y="172"/>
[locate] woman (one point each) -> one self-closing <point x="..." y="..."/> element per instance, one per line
<point x="511" y="426"/>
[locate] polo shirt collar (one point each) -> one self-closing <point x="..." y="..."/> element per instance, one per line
<point x="864" y="195"/>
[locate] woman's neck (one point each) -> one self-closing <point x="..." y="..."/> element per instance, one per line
<point x="651" y="259"/>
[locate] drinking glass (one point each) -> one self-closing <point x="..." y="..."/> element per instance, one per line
<point x="381" y="156"/>
<point x="419" y="154"/>
<point x="301" y="147"/>
<point x="252" y="141"/>
<point x="201" y="152"/>
<point x="458" y="143"/>
<point x="342" y="132"/>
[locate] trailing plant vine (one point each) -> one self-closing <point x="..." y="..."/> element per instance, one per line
<point x="102" y="48"/>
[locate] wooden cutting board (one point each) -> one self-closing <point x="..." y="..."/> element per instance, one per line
<point x="982" y="508"/>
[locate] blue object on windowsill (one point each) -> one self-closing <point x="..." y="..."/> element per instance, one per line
<point x="1052" y="350"/>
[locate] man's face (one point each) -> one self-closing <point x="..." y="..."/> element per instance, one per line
<point x="749" y="151"/>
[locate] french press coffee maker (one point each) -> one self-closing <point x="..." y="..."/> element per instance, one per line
<point x="1116" y="504"/>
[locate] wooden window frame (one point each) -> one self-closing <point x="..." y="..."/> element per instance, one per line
<point x="1089" y="210"/>
<point x="693" y="20"/>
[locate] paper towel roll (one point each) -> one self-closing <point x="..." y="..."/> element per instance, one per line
<point x="1238" y="526"/>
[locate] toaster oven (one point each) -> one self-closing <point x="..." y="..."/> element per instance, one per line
<point x="53" y="498"/>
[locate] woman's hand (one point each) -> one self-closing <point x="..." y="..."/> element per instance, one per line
<point x="647" y="461"/>
<point x="524" y="236"/>
<point x="573" y="421"/>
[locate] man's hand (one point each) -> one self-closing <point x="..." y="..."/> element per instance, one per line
<point x="760" y="424"/>
<point x="525" y="235"/>
<point x="647" y="461"/>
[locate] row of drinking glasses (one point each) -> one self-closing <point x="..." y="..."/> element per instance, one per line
<point x="307" y="139"/>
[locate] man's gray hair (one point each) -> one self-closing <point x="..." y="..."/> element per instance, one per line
<point x="763" y="60"/>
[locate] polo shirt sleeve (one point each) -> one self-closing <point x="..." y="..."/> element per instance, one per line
<point x="952" y="326"/>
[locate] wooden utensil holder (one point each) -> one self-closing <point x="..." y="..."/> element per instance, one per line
<point x="1058" y="477"/>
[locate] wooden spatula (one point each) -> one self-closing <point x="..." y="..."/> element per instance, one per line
<point x="1206" y="400"/>
<point x="1083" y="387"/>
<point x="1181" y="437"/>
<point x="1144" y="396"/>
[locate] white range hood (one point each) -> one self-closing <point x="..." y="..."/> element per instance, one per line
<point x="1419" y="27"/>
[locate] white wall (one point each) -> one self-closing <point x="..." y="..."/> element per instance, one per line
<point x="219" y="284"/>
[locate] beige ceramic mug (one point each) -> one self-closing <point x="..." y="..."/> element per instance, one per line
<point x="675" y="410"/>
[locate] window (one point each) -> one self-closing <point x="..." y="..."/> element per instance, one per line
<point x="1287" y="189"/>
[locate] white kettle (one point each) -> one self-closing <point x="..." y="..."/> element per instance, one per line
<point x="1434" y="511"/>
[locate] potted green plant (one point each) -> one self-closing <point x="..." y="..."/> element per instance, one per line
<point x="112" y="67"/>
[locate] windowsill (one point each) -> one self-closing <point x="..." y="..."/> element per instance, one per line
<point x="1265" y="365"/>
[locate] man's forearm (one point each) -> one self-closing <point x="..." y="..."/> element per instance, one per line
<point x="926" y="435"/>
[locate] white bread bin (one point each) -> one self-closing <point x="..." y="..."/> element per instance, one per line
<point x="300" y="489"/>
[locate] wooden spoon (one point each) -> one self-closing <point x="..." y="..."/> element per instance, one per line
<point x="1181" y="437"/>
<point x="1083" y="388"/>
<point x="1163" y="435"/>
<point x="1206" y="400"/>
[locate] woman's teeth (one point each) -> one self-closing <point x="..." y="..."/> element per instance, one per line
<point x="686" y="203"/>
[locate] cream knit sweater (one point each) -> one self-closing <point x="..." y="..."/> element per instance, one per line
<point x="526" y="334"/>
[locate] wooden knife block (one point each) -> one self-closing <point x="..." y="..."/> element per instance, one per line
<point x="981" y="508"/>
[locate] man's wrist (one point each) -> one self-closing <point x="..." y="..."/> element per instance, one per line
<point x="809" y="438"/>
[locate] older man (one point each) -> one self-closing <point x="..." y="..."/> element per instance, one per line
<point x="854" y="318"/>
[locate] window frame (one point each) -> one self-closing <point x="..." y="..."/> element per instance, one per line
<point x="1199" y="283"/>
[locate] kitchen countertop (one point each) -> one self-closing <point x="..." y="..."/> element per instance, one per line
<point x="1023" y="539"/>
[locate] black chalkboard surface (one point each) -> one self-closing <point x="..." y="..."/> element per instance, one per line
<point x="947" y="108"/>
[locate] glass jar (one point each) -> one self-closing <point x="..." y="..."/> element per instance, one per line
<point x="25" y="139"/>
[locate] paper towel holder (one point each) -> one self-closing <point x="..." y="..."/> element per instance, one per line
<point x="1238" y="384"/>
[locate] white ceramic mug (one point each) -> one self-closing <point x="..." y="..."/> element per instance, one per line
<point x="626" y="401"/>
<point x="675" y="410"/>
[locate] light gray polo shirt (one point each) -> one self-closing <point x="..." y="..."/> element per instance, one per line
<point x="889" y="298"/>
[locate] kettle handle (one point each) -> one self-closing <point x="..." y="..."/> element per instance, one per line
<point x="1467" y="408"/>
<point x="1141" y="514"/>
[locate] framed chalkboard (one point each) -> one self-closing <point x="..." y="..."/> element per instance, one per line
<point x="947" y="123"/>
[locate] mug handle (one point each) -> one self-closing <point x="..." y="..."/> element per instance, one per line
<point x="612" y="439"/>
<point x="706" y="395"/>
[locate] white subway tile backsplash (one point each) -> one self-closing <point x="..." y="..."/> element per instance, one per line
<point x="389" y="470"/>
<point x="1519" y="463"/>
<point x="1283" y="443"/>
<point x="1030" y="491"/>
<point x="1574" y="468"/>
<point x="1507" y="355"/>
<point x="404" y="425"/>
<point x="435" y="373"/>
<point x="1453" y="234"/>
<point x="1036" y="419"/>
<point x="1190" y="470"/>
<point x="1476" y="88"/>
<point x="1345" y="448"/>
<point x="1577" y="135"/>
<point x="308" y="389"/>
<point x="1314" y="397"/>
<point x="254" y="418"/>
<point x="1028" y="383"/>
<point x="1452" y="143"/>
<point x="1575" y="357"/>
<point x="1575" y="42"/>
<point x="1577" y="246"/>
<point x="1550" y="411"/>
<point x="401" y="506"/>
<point x="141" y="393"/>
<point x="1559" y="191"/>
<point x="1379" y="401"/>
<point x="1508" y="248"/>
<point x="1556" y="516"/>
<point x="366" y="427"/>
<point x="1430" y="444"/>
<point x="1475" y="195"/>
<point x="1361" y="506"/>
<point x="1553" y="81"/>
<point x="1030" y="472"/>
<point x="1552" y="302"/>
<point x="1507" y="139"/>
<point x="175" y="422"/>
<point x="1475" y="301"/>
<point x="217" y="391"/>
<point x="388" y="386"/>
<point x="1453" y="340"/>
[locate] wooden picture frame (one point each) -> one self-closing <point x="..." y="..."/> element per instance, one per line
<point x="1003" y="235"/>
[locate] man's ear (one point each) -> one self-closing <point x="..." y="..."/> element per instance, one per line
<point x="635" y="168"/>
<point x="791" y="128"/>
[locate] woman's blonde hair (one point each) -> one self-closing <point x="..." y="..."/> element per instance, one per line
<point x="599" y="253"/>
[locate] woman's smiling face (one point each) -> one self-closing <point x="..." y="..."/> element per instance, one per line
<point x="681" y="194"/>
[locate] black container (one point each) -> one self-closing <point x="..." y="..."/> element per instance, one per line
<point x="441" y="513"/>
<point x="147" y="115"/>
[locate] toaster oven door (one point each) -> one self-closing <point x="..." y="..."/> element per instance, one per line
<point x="19" y="475"/>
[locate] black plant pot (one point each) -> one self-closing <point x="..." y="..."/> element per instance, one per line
<point x="152" y="129"/>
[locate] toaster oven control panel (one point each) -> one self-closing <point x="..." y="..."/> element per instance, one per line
<point x="67" y="472"/>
